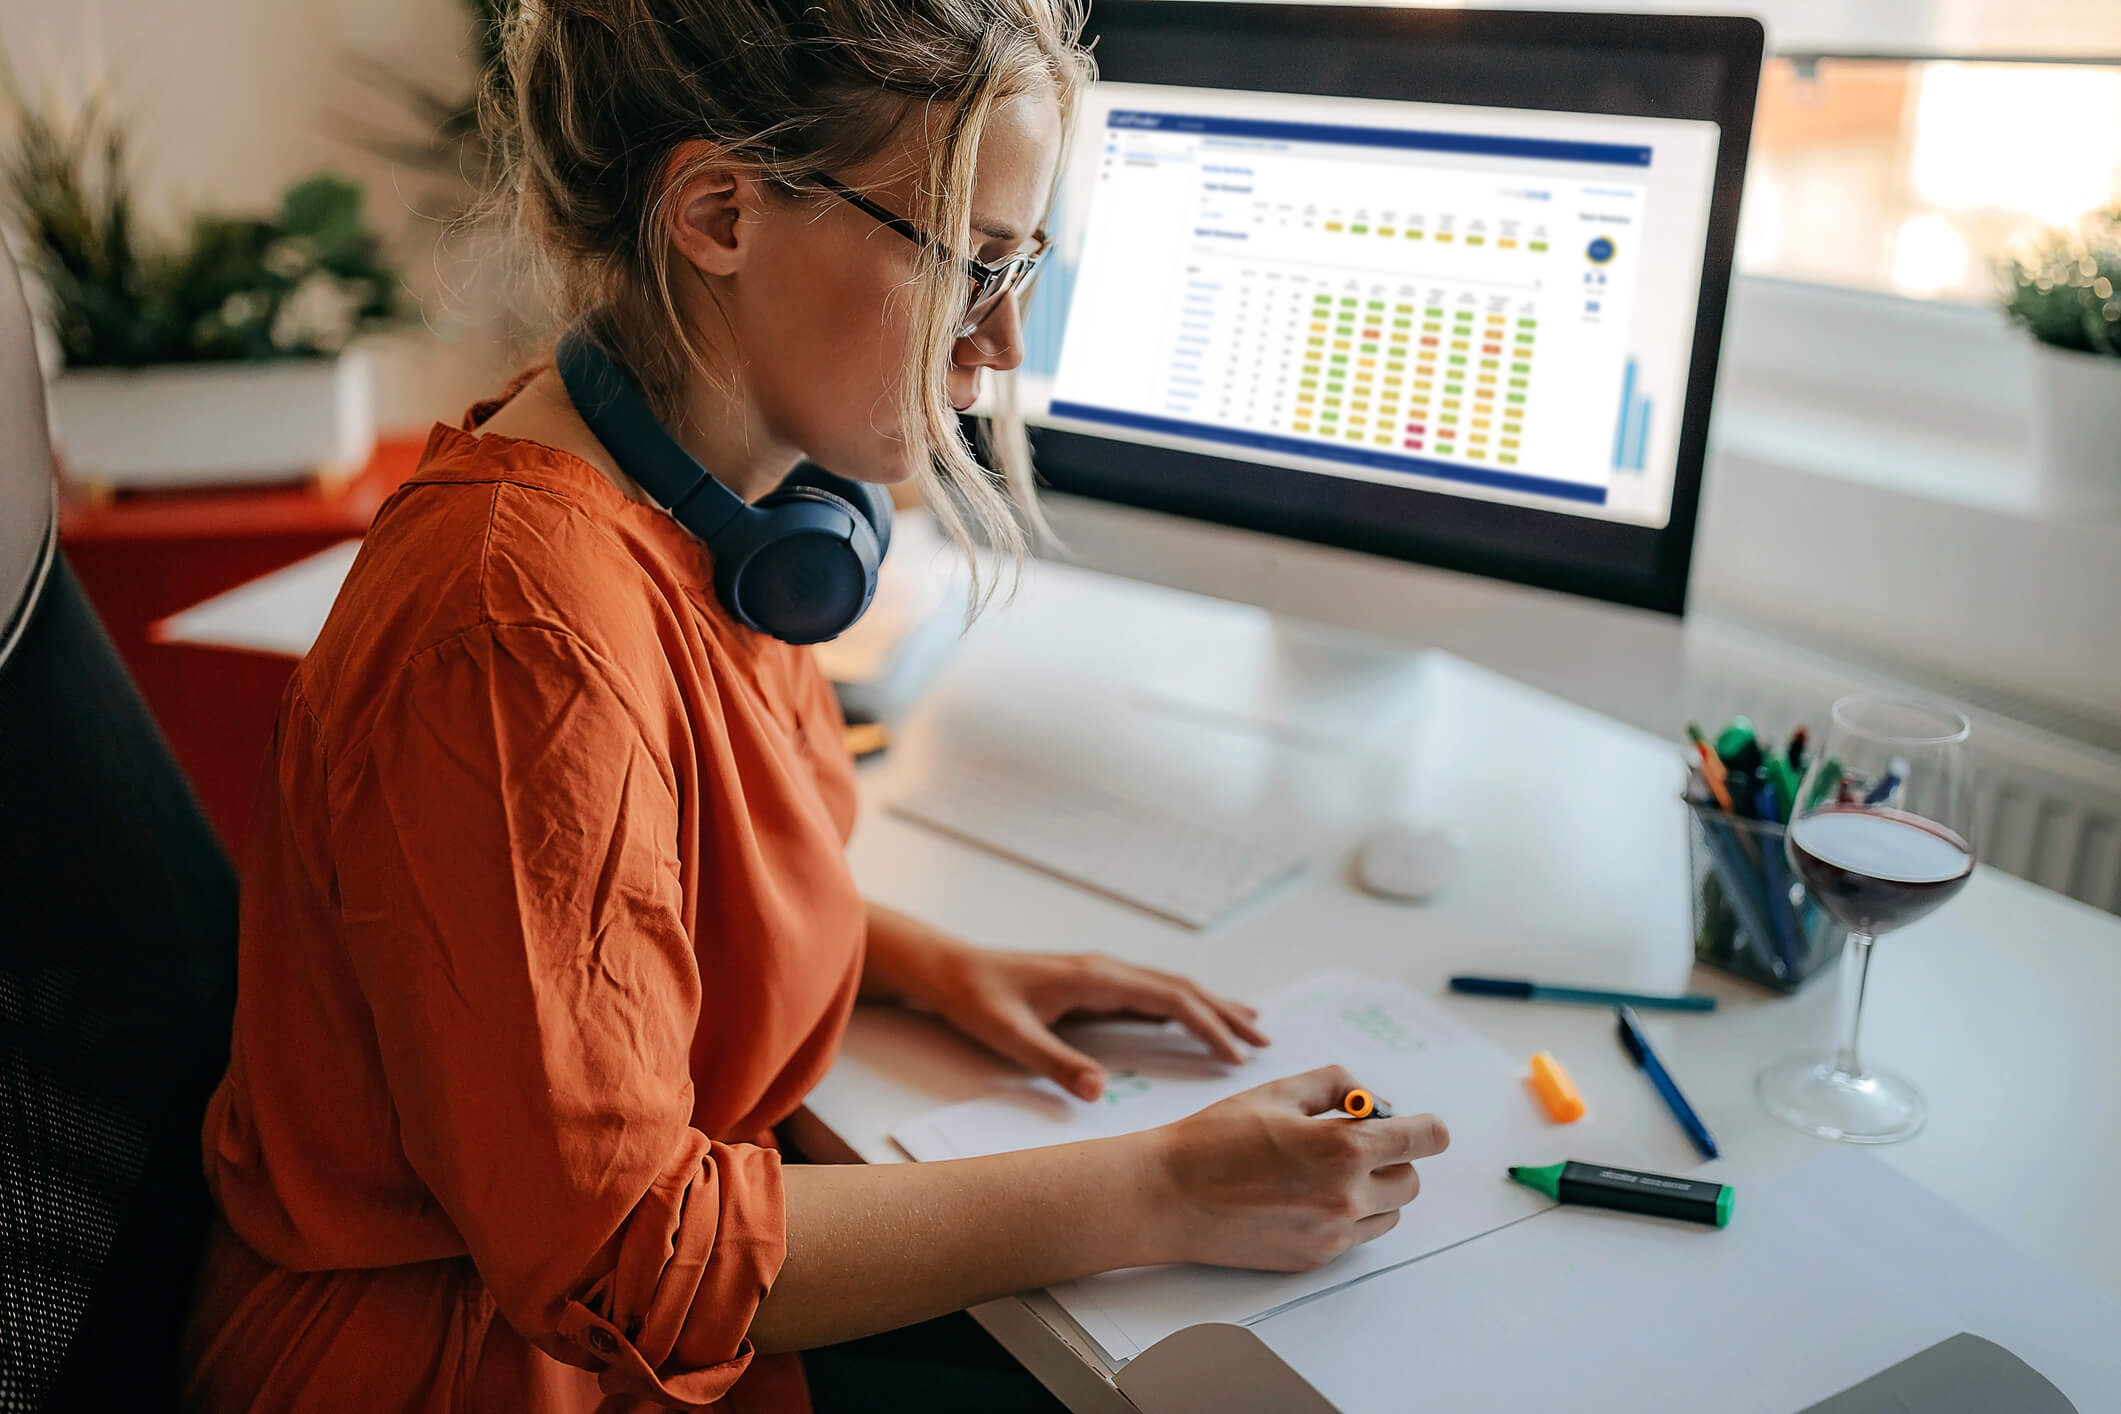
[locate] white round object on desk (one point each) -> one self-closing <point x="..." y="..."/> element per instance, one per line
<point x="1409" y="862"/>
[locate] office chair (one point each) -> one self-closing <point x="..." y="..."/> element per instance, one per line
<point x="117" y="972"/>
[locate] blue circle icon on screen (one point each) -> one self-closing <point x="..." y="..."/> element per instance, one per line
<point x="1601" y="250"/>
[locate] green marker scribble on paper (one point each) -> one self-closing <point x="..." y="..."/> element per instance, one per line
<point x="1380" y="1027"/>
<point x="1124" y="1085"/>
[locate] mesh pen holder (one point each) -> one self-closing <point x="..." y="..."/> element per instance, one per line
<point x="1752" y="917"/>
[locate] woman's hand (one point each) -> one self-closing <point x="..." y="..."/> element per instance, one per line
<point x="1010" y="1001"/>
<point x="1267" y="1179"/>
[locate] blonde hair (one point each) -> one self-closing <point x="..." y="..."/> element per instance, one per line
<point x="592" y="98"/>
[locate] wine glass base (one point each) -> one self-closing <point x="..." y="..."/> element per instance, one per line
<point x="1810" y="1093"/>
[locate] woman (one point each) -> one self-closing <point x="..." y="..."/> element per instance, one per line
<point x="547" y="920"/>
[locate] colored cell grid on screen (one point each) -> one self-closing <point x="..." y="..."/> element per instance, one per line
<point x="1450" y="402"/>
<point x="1414" y="235"/>
<point x="1433" y="312"/>
<point x="1318" y="326"/>
<point x="1393" y="365"/>
<point x="1528" y="324"/>
<point x="1412" y="444"/>
<point x="1520" y="368"/>
<point x="1359" y="229"/>
<point x="1458" y="360"/>
<point x="1417" y="427"/>
<point x="1507" y="442"/>
<point x="1308" y="382"/>
<point x="1506" y="459"/>
<point x="1524" y="338"/>
<point x="1366" y="363"/>
<point x="1494" y="319"/>
<point x="1393" y="380"/>
<point x="1402" y="324"/>
<point x="1386" y="231"/>
<point x="1445" y="236"/>
<point x="1489" y="363"/>
<point x="1517" y="382"/>
<point x="1481" y="423"/>
<point x="1491" y="348"/>
<point x="1333" y="225"/>
<point x="1356" y="419"/>
<point x="1428" y="341"/>
<point x="1348" y="301"/>
<point x="1369" y="348"/>
<point x="1424" y="384"/>
<point x="1506" y="243"/>
<point x="1449" y="419"/>
<point x="1487" y="378"/>
<point x="1300" y="426"/>
<point x="1329" y="417"/>
<point x="1476" y="240"/>
<point x="1460" y="345"/>
<point x="1385" y="439"/>
<point x="1539" y="245"/>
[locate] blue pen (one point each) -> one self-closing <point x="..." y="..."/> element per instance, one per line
<point x="1895" y="773"/>
<point x="1583" y="996"/>
<point x="1638" y="1048"/>
<point x="1778" y="891"/>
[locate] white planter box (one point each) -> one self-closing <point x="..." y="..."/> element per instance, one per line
<point x="2077" y="428"/>
<point x="215" y="424"/>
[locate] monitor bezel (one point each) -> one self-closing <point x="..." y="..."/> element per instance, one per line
<point x="1576" y="554"/>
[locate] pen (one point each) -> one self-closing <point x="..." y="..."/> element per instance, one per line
<point x="1638" y="1048"/>
<point x="1895" y="773"/>
<point x="1795" y="753"/>
<point x="1711" y="768"/>
<point x="1361" y="1104"/>
<point x="1778" y="891"/>
<point x="1586" y="996"/>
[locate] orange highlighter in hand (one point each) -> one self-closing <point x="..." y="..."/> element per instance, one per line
<point x="1361" y="1104"/>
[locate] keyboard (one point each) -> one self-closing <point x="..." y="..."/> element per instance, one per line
<point x="1173" y="867"/>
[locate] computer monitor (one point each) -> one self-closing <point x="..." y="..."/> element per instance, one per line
<point x="1445" y="286"/>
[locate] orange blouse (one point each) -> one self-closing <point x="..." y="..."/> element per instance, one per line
<point x="546" y="922"/>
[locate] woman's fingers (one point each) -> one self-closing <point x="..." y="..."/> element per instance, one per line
<point x="1141" y="992"/>
<point x="1014" y="1030"/>
<point x="1314" y="1092"/>
<point x="1403" y="1138"/>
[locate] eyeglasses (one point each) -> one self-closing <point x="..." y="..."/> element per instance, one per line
<point x="991" y="284"/>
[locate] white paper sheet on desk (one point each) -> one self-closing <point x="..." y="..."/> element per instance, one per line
<point x="1398" y="1043"/>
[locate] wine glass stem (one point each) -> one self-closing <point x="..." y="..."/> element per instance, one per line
<point x="1846" y="1060"/>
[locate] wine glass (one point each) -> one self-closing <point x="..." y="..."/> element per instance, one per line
<point x="1880" y="835"/>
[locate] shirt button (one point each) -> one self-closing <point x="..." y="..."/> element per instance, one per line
<point x="601" y="1341"/>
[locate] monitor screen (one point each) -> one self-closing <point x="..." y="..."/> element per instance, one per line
<point x="1479" y="334"/>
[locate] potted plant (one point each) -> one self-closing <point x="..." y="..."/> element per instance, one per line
<point x="2066" y="289"/>
<point x="219" y="356"/>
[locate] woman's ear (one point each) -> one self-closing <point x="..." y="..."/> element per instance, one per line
<point x="712" y="206"/>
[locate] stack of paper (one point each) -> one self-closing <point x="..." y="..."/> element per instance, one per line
<point x="1397" y="1042"/>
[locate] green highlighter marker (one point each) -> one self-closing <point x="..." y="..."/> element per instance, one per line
<point x="1625" y="1190"/>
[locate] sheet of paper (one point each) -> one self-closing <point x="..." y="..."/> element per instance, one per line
<point x="1398" y="1042"/>
<point x="1829" y="1273"/>
<point x="280" y="613"/>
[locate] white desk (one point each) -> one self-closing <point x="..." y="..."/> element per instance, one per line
<point x="2002" y="1006"/>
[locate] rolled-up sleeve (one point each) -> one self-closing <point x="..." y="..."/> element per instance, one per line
<point x="505" y="844"/>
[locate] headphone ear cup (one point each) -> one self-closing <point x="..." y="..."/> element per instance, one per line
<point x="872" y="501"/>
<point x="804" y="570"/>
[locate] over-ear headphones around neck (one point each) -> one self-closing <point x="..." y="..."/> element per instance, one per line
<point x="800" y="565"/>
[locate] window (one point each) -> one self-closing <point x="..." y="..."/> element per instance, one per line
<point x="1914" y="177"/>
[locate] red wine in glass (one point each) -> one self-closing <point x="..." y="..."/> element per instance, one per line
<point x="1875" y="868"/>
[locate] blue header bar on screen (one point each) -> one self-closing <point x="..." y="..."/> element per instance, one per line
<point x="1605" y="154"/>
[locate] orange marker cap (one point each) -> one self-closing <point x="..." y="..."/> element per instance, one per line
<point x="1556" y="1092"/>
<point x="1361" y="1104"/>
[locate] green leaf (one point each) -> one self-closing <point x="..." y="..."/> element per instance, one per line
<point x="326" y="209"/>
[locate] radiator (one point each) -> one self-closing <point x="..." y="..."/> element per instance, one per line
<point x="2047" y="798"/>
